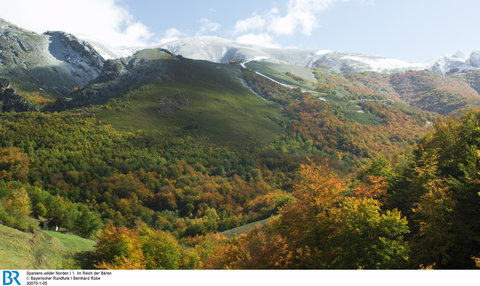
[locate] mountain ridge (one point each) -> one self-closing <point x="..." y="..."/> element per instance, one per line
<point x="54" y="62"/>
<point x="222" y="50"/>
<point x="79" y="67"/>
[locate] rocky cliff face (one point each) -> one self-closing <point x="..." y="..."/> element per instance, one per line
<point x="11" y="101"/>
<point x="118" y="76"/>
<point x="54" y="61"/>
<point x="20" y="48"/>
<point x="78" y="56"/>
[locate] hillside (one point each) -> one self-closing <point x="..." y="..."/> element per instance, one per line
<point x="39" y="250"/>
<point x="156" y="91"/>
<point x="256" y="102"/>
<point x="434" y="92"/>
<point x="421" y="90"/>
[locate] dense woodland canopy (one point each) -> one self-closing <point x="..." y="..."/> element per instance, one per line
<point x="341" y="191"/>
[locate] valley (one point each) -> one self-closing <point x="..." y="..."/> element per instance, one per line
<point x="209" y="154"/>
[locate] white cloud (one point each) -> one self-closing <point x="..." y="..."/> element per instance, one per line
<point x="171" y="35"/>
<point x="254" y="23"/>
<point x="105" y="20"/>
<point x="264" y="40"/>
<point x="207" y="26"/>
<point x="301" y="15"/>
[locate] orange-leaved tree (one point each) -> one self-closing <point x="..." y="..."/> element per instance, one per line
<point x="323" y="227"/>
<point x="140" y="248"/>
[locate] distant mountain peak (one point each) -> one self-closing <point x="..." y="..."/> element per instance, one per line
<point x="221" y="50"/>
<point x="460" y="55"/>
<point x="458" y="62"/>
<point x="57" y="61"/>
<point x="108" y="52"/>
<point x="68" y="48"/>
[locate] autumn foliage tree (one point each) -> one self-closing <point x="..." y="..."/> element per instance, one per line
<point x="324" y="227"/>
<point x="435" y="237"/>
<point x="14" y="164"/>
<point x="441" y="186"/>
<point x="257" y="249"/>
<point x="119" y="248"/>
<point x="341" y="231"/>
<point x="15" y="206"/>
<point x="140" y="248"/>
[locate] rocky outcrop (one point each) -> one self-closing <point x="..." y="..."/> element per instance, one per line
<point x="112" y="70"/>
<point x="119" y="76"/>
<point x="85" y="63"/>
<point x="55" y="61"/>
<point x="11" y="101"/>
<point x="4" y="84"/>
<point x="18" y="47"/>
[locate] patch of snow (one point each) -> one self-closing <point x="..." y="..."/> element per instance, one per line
<point x="474" y="61"/>
<point x="379" y="64"/>
<point x="360" y="109"/>
<point x="457" y="62"/>
<point x="444" y="64"/>
<point x="257" y="59"/>
<point x="108" y="52"/>
<point x="219" y="50"/>
<point x="260" y="58"/>
<point x="322" y="52"/>
<point x="275" y="81"/>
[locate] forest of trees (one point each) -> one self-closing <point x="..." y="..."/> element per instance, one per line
<point x="181" y="185"/>
<point x="339" y="193"/>
<point x="421" y="215"/>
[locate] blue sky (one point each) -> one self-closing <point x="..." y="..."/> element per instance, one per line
<point x="412" y="30"/>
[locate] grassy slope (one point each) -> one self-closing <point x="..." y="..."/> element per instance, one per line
<point x="231" y="233"/>
<point x="277" y="72"/>
<point x="72" y="242"/>
<point x="219" y="107"/>
<point x="40" y="250"/>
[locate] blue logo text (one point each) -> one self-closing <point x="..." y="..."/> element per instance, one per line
<point x="10" y="276"/>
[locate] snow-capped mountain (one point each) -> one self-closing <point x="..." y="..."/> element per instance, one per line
<point x="445" y="63"/>
<point x="63" y="61"/>
<point x="351" y="62"/>
<point x="457" y="62"/>
<point x="53" y="60"/>
<point x="474" y="61"/>
<point x="108" y="52"/>
<point x="220" y="50"/>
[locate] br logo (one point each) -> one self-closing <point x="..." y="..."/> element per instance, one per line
<point x="9" y="277"/>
